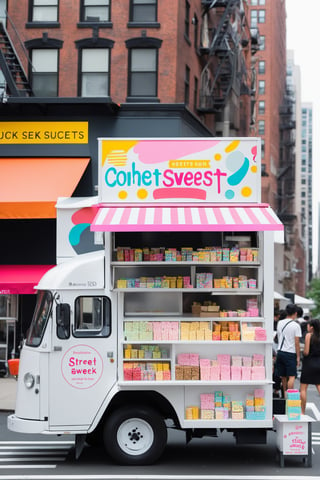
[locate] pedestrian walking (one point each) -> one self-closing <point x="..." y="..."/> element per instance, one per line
<point x="310" y="373"/>
<point x="288" y="353"/>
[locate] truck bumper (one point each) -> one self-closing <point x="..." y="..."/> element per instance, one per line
<point x="21" y="425"/>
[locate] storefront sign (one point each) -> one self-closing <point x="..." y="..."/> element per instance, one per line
<point x="43" y="132"/>
<point x="183" y="170"/>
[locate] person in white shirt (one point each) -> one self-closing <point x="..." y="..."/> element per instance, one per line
<point x="288" y="353"/>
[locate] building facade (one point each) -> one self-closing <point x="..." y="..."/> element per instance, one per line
<point x="306" y="193"/>
<point x="73" y="71"/>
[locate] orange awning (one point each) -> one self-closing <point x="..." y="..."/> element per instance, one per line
<point x="29" y="187"/>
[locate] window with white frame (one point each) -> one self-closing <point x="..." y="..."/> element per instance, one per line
<point x="262" y="67"/>
<point x="261" y="16"/>
<point x="94" y="72"/>
<point x="261" y="127"/>
<point x="44" y="10"/>
<point x="143" y="11"/>
<point x="44" y="77"/>
<point x="261" y="107"/>
<point x="95" y="10"/>
<point x="143" y="72"/>
<point x="262" y="87"/>
<point x="254" y="18"/>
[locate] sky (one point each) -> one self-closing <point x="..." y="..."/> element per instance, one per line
<point x="303" y="35"/>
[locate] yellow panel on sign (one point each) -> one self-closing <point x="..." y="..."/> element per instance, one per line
<point x="43" y="132"/>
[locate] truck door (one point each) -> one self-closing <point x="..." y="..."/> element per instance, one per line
<point x="82" y="366"/>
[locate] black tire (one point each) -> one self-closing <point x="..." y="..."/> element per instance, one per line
<point x="135" y="435"/>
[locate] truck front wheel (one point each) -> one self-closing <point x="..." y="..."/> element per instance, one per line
<point x="135" y="435"/>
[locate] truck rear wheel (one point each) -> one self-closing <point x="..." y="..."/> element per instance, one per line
<point x="135" y="435"/>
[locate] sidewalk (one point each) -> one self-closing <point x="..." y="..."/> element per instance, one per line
<point x="8" y="388"/>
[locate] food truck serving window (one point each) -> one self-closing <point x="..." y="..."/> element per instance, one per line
<point x="92" y="317"/>
<point x="40" y="318"/>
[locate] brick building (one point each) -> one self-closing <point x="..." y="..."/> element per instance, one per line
<point x="138" y="68"/>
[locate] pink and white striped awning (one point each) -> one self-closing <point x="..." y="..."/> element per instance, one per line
<point x="183" y="218"/>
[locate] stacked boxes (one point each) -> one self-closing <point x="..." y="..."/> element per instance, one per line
<point x="154" y="371"/>
<point x="187" y="254"/>
<point x="220" y="406"/>
<point x="224" y="367"/>
<point x="293" y="404"/>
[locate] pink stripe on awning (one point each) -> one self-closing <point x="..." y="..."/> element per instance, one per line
<point x="246" y="218"/>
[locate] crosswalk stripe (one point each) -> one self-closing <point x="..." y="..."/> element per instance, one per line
<point x="24" y="466"/>
<point x="24" y="447"/>
<point x="26" y="454"/>
<point x="39" y="442"/>
<point x="33" y="459"/>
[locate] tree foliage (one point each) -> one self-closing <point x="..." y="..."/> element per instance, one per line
<point x="314" y="293"/>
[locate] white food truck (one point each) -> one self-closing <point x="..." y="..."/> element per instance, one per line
<point x="169" y="324"/>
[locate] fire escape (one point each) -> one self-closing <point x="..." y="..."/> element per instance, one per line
<point x="286" y="173"/>
<point x="224" y="70"/>
<point x="14" y="81"/>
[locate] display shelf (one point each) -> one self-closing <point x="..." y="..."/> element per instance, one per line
<point x="184" y="300"/>
<point x="217" y="291"/>
<point x="138" y="360"/>
<point x="196" y="342"/>
<point x="227" y="423"/>
<point x="198" y="383"/>
<point x="184" y="263"/>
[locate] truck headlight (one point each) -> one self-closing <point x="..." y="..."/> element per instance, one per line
<point x="28" y="380"/>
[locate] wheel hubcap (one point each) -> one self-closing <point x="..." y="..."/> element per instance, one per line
<point x="135" y="436"/>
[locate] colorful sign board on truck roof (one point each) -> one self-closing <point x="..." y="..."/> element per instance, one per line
<point x="179" y="170"/>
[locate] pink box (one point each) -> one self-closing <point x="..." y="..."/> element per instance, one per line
<point x="205" y="362"/>
<point x="184" y="359"/>
<point x="258" y="373"/>
<point x="194" y="359"/>
<point x="224" y="359"/>
<point x="225" y="372"/>
<point x="235" y="373"/>
<point x="259" y="393"/>
<point x="215" y="372"/>
<point x="246" y="373"/>
<point x="205" y="373"/>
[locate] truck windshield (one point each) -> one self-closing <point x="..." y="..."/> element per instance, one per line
<point x="39" y="320"/>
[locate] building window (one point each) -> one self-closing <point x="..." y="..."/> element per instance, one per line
<point x="187" y="20"/>
<point x="261" y="16"/>
<point x="143" y="72"/>
<point x="262" y="148"/>
<point x="254" y="18"/>
<point x="195" y="94"/>
<point x="262" y="2"/>
<point x="262" y="67"/>
<point x="262" y="107"/>
<point x="143" y="67"/>
<point x="262" y="87"/>
<point x="187" y="85"/>
<point x="261" y="129"/>
<point x="95" y="10"/>
<point x="262" y="43"/>
<point x="195" y="22"/>
<point x="143" y="11"/>
<point x="44" y="10"/>
<point x="254" y="2"/>
<point x="94" y="72"/>
<point x="44" y="77"/>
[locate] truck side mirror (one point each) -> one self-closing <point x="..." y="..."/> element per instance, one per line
<point x="63" y="320"/>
